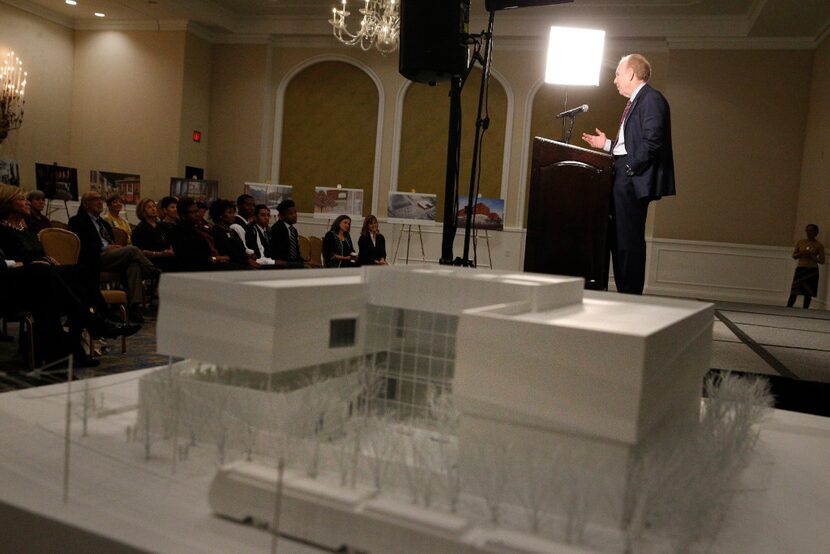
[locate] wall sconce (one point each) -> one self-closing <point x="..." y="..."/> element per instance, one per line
<point x="12" y="90"/>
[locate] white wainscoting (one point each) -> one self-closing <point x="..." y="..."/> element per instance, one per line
<point x="721" y="271"/>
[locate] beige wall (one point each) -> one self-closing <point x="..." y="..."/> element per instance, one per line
<point x="47" y="53"/>
<point x="238" y="94"/>
<point x="195" y="104"/>
<point x="739" y="121"/>
<point x="126" y="105"/>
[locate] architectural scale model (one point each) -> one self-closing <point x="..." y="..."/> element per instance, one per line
<point x="443" y="409"/>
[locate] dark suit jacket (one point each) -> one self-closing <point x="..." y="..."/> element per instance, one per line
<point x="191" y="247"/>
<point x="251" y="240"/>
<point x="280" y="244"/>
<point x="648" y="144"/>
<point x="369" y="253"/>
<point x="91" y="244"/>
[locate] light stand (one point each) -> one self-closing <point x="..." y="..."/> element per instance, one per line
<point x="454" y="151"/>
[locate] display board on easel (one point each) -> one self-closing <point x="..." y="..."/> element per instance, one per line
<point x="330" y="202"/>
<point x="411" y="209"/>
<point x="268" y="194"/>
<point x="488" y="215"/>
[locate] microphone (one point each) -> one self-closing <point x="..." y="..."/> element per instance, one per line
<point x="573" y="111"/>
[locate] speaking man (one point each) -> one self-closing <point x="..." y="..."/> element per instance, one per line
<point x="643" y="168"/>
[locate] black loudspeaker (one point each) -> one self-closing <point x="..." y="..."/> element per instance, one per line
<point x="432" y="37"/>
<point x="493" y="5"/>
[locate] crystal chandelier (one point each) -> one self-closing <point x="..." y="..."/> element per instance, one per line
<point x="380" y="26"/>
<point x="12" y="89"/>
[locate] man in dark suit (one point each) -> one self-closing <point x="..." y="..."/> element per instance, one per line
<point x="285" y="240"/>
<point x="99" y="252"/>
<point x="643" y="168"/>
<point x="258" y="235"/>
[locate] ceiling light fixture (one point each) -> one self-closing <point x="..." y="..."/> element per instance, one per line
<point x="72" y="2"/>
<point x="99" y="14"/>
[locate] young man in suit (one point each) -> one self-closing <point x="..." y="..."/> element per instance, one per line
<point x="643" y="168"/>
<point x="257" y="237"/>
<point x="285" y="241"/>
<point x="100" y="253"/>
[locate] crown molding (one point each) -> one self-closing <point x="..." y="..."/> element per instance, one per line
<point x="126" y="25"/>
<point x="41" y="12"/>
<point x="742" y="43"/>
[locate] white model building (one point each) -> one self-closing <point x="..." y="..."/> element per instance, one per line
<point x="530" y="359"/>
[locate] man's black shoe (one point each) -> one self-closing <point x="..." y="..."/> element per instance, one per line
<point x="108" y="329"/>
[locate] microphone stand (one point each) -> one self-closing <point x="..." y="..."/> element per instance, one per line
<point x="566" y="136"/>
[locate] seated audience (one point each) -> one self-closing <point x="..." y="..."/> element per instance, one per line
<point x="223" y="214"/>
<point x="100" y="253"/>
<point x="338" y="250"/>
<point x="371" y="243"/>
<point x="115" y="204"/>
<point x="36" y="220"/>
<point x="257" y="237"/>
<point x="168" y="210"/>
<point x="285" y="240"/>
<point x="203" y="214"/>
<point x="193" y="243"/>
<point x="152" y="236"/>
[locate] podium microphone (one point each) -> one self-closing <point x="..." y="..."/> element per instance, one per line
<point x="573" y="111"/>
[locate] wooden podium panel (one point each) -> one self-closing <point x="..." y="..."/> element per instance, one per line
<point x="567" y="224"/>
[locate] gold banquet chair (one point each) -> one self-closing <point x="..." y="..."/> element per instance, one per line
<point x="64" y="247"/>
<point x="316" y="254"/>
<point x="305" y="248"/>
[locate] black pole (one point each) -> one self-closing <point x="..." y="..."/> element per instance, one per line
<point x="481" y="126"/>
<point x="451" y="178"/>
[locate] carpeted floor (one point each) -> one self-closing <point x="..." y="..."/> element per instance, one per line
<point x="789" y="346"/>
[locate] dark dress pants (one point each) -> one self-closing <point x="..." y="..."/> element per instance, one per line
<point x="627" y="233"/>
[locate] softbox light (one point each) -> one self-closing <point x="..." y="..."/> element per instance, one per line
<point x="574" y="56"/>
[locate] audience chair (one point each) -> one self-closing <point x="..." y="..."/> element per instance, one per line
<point x="316" y="252"/>
<point x="60" y="225"/>
<point x="64" y="247"/>
<point x="305" y="248"/>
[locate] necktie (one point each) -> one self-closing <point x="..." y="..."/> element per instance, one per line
<point x="293" y="246"/>
<point x="625" y="112"/>
<point x="104" y="231"/>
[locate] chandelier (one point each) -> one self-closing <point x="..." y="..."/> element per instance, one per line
<point x="380" y="26"/>
<point x="12" y="89"/>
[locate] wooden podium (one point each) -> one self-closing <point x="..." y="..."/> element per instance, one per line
<point x="567" y="224"/>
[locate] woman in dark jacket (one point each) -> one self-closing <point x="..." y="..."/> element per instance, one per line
<point x="228" y="243"/>
<point x="338" y="249"/>
<point x="371" y="243"/>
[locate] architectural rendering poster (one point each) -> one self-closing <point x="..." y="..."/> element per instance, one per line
<point x="411" y="208"/>
<point x="10" y="172"/>
<point x="200" y="190"/>
<point x="488" y="213"/>
<point x="128" y="185"/>
<point x="330" y="202"/>
<point x="270" y="195"/>
<point x="57" y="182"/>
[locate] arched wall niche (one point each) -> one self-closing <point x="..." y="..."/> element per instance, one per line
<point x="422" y="133"/>
<point x="327" y="131"/>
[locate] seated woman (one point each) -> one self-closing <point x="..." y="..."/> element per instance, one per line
<point x="338" y="249"/>
<point x="371" y="243"/>
<point x="36" y="220"/>
<point x="152" y="236"/>
<point x="115" y="205"/>
<point x="223" y="214"/>
<point x="193" y="244"/>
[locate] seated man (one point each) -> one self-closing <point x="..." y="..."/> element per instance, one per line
<point x="100" y="253"/>
<point x="285" y="241"/>
<point x="257" y="237"/>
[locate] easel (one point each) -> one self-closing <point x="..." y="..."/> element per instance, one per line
<point x="475" y="248"/>
<point x="408" y="230"/>
<point x="50" y="209"/>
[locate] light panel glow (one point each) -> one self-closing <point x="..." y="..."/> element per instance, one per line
<point x="574" y="56"/>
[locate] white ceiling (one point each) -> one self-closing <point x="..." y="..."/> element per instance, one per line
<point x="794" y="22"/>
